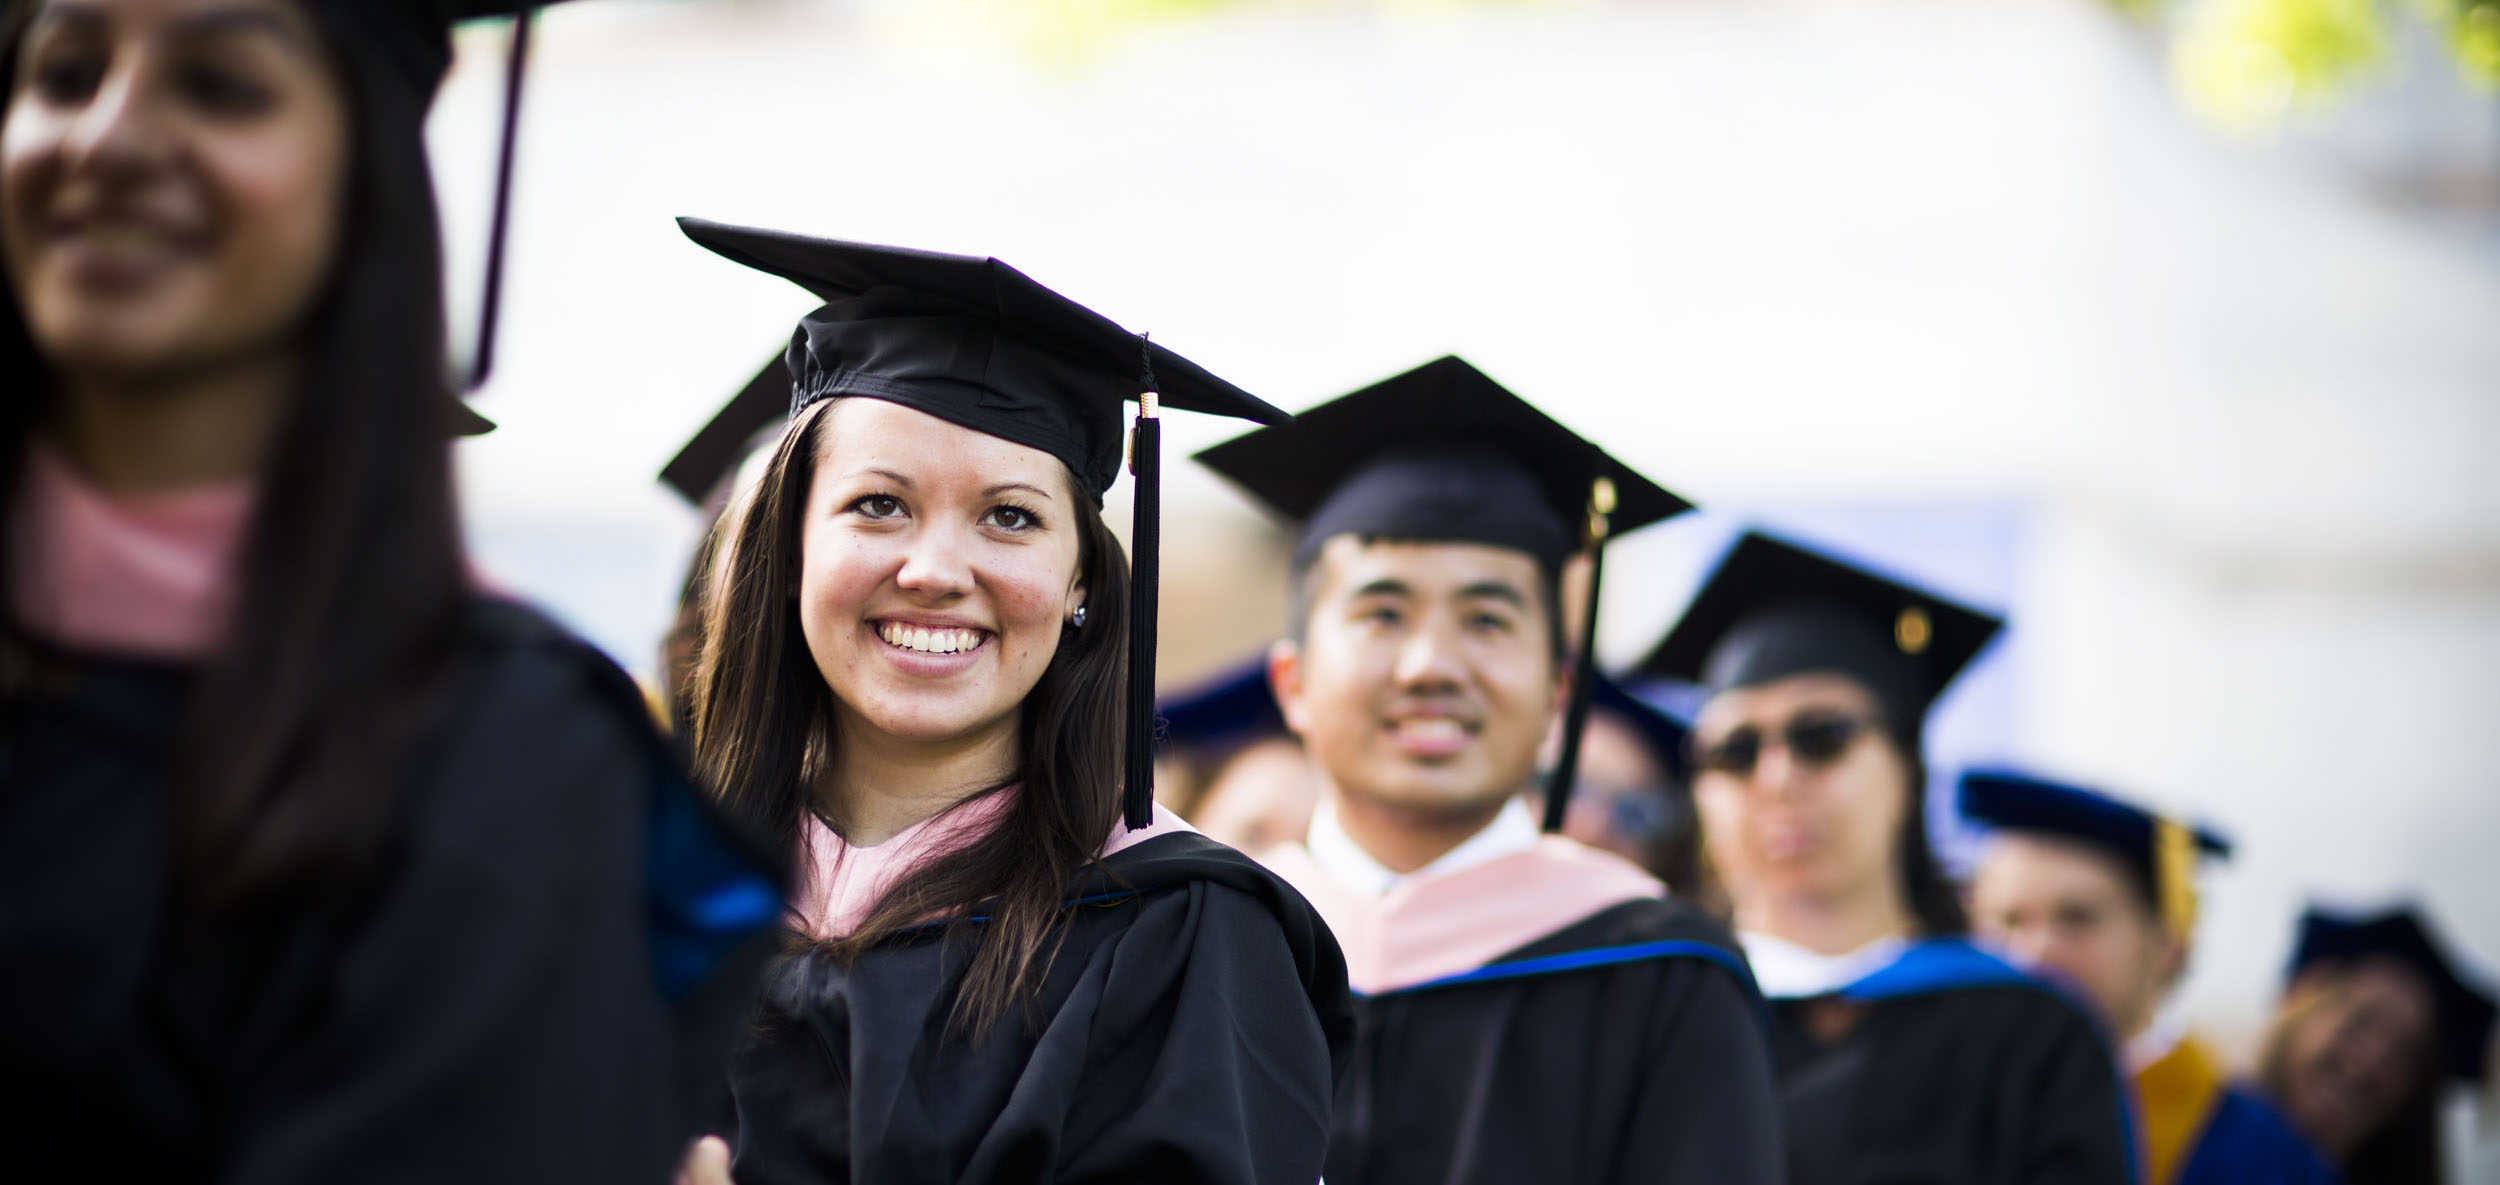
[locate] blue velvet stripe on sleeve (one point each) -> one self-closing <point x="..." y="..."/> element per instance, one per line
<point x="706" y="896"/>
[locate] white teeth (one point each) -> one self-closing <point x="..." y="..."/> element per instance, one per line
<point x="1437" y="728"/>
<point x="929" y="640"/>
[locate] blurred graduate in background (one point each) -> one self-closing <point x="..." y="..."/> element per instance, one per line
<point x="2376" y="1021"/>
<point x="1230" y="766"/>
<point x="1633" y="792"/>
<point x="722" y="459"/>
<point x="1904" y="1053"/>
<point x="1530" y="1008"/>
<point x="315" y="863"/>
<point x="2103" y="892"/>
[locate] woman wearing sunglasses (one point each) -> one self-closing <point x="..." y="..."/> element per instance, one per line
<point x="1904" y="1053"/>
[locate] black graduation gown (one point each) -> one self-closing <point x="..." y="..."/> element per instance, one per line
<point x="1958" y="1069"/>
<point x="520" y="992"/>
<point x="1626" y="1047"/>
<point x="1186" y="1032"/>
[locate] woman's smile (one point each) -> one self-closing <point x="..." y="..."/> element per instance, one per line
<point x="925" y="651"/>
<point x="112" y="253"/>
<point x="926" y="639"/>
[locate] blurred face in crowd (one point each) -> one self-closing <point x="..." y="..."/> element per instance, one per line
<point x="1621" y="800"/>
<point x="939" y="566"/>
<point x="1801" y="795"/>
<point x="2350" y="1045"/>
<point x="1260" y="797"/>
<point x="1425" y="678"/>
<point x="170" y="182"/>
<point x="2054" y="903"/>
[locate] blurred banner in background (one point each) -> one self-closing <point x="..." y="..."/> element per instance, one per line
<point x="2171" y="329"/>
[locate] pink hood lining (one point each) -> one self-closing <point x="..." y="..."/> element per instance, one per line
<point x="1423" y="930"/>
<point x="843" y="883"/>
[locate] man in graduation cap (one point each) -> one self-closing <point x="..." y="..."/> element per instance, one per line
<point x="1529" y="1009"/>
<point x="2374" y="1021"/>
<point x="1904" y="1053"/>
<point x="2104" y="893"/>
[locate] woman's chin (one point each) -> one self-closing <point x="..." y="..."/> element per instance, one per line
<point x="931" y="720"/>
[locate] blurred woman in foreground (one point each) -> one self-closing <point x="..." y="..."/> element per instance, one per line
<point x="314" y="863"/>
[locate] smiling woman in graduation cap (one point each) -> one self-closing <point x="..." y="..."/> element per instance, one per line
<point x="927" y="670"/>
<point x="315" y="864"/>
<point x="1904" y="1053"/>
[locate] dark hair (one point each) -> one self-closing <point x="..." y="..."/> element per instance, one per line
<point x="1930" y="895"/>
<point x="1302" y="589"/>
<point x="2405" y="1150"/>
<point x="350" y="572"/>
<point x="764" y="739"/>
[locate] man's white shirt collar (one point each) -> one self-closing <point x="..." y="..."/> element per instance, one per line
<point x="1513" y="829"/>
<point x="1788" y="971"/>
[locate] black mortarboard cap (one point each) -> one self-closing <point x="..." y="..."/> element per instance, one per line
<point x="1233" y="705"/>
<point x="974" y="342"/>
<point x="979" y="344"/>
<point x="409" y="42"/>
<point x="1443" y="454"/>
<point x="715" y="452"/>
<point x="1439" y="454"/>
<point x="2160" y="854"/>
<point x="412" y="38"/>
<point x="2465" y="1007"/>
<point x="1774" y="609"/>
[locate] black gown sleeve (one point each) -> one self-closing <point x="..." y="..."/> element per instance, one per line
<point x="1709" y="1108"/>
<point x="494" y="1015"/>
<point x="2077" y="1132"/>
<point x="1210" y="1064"/>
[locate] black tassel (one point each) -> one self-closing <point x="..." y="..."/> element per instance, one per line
<point x="490" y="306"/>
<point x="1145" y="547"/>
<point x="1566" y="769"/>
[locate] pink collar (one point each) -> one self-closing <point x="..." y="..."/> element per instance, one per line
<point x="147" y="575"/>
<point x="1428" y="927"/>
<point x="844" y="882"/>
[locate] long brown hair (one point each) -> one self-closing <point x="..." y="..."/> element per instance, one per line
<point x="351" y="577"/>
<point x="764" y="739"/>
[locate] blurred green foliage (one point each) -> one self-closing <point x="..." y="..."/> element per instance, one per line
<point x="2249" y="64"/>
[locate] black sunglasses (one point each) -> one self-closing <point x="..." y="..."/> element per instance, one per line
<point x="1813" y="738"/>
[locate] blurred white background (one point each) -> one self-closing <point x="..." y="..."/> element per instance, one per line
<point x="1952" y="285"/>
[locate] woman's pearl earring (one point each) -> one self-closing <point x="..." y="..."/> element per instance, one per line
<point x="1076" y="618"/>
